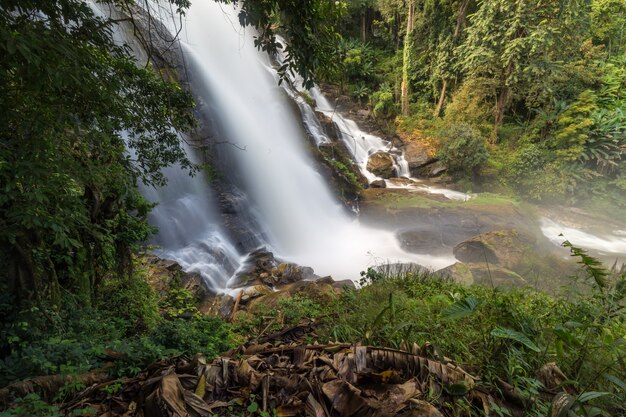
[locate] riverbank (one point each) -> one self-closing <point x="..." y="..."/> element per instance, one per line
<point x="403" y="345"/>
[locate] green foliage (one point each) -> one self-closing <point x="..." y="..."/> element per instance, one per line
<point x="461" y="308"/>
<point x="463" y="150"/>
<point x="591" y="265"/>
<point x="133" y="300"/>
<point x="504" y="334"/>
<point x="179" y="302"/>
<point x="383" y="102"/>
<point x="270" y="318"/>
<point x="31" y="406"/>
<point x="608" y="19"/>
<point x="347" y="174"/>
<point x="75" y="338"/>
<point x="75" y="102"/>
<point x="359" y="92"/>
<point x="573" y="126"/>
<point x="309" y="28"/>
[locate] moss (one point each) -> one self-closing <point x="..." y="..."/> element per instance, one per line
<point x="347" y="173"/>
<point x="307" y="97"/>
<point x="406" y="199"/>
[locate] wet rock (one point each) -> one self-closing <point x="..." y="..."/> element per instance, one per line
<point x="458" y="272"/>
<point x="163" y="272"/>
<point x="378" y="184"/>
<point x="437" y="169"/>
<point x="286" y="273"/>
<point x="195" y="284"/>
<point x="505" y="248"/>
<point x="228" y="203"/>
<point x="339" y="286"/>
<point x="407" y="269"/>
<point x="426" y="240"/>
<point x="381" y="164"/>
<point x="217" y="305"/>
<point x="254" y="292"/>
<point x="430" y="170"/>
<point x="475" y="250"/>
<point x="482" y="274"/>
<point x="418" y="155"/>
<point x="258" y="262"/>
<point x="321" y="291"/>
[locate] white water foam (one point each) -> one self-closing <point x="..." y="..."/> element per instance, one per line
<point x="607" y="244"/>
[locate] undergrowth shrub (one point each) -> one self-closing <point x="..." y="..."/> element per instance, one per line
<point x="501" y="334"/>
<point x="463" y="150"/>
<point x="125" y="320"/>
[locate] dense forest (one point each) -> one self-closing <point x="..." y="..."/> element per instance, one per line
<point x="526" y="99"/>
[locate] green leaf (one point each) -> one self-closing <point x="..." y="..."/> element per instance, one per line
<point x="510" y="334"/>
<point x="461" y="308"/>
<point x="585" y="397"/>
<point x="615" y="380"/>
<point x="458" y="389"/>
<point x="253" y="407"/>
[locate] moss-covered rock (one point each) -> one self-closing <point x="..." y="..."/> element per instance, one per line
<point x="504" y="247"/>
<point x="381" y="164"/>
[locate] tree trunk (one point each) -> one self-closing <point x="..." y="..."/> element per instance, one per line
<point x="501" y="103"/>
<point x="503" y="98"/>
<point x="364" y="25"/>
<point x="404" y="90"/>
<point x="460" y="19"/>
<point x="442" y="97"/>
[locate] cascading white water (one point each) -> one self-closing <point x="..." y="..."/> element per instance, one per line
<point x="606" y="244"/>
<point x="305" y="223"/>
<point x="359" y="143"/>
<point x="186" y="216"/>
<point x="189" y="227"/>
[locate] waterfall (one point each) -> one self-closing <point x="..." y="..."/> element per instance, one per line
<point x="189" y="226"/>
<point x="186" y="215"/>
<point x="264" y="153"/>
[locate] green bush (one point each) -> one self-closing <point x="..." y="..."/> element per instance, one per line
<point x="463" y="150"/>
<point x="383" y="102"/>
<point x="31" y="406"/>
<point x="44" y="341"/>
<point x="131" y="300"/>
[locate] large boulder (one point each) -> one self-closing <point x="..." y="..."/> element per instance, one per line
<point x="399" y="269"/>
<point x="458" y="272"/>
<point x="378" y="184"/>
<point x="163" y="272"/>
<point x="286" y="273"/>
<point x="431" y="170"/>
<point x="482" y="274"/>
<point x="257" y="266"/>
<point x="418" y="154"/>
<point x="381" y="164"/>
<point x="217" y="305"/>
<point x="253" y="292"/>
<point x="505" y="248"/>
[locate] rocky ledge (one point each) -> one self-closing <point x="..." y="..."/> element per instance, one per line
<point x="262" y="280"/>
